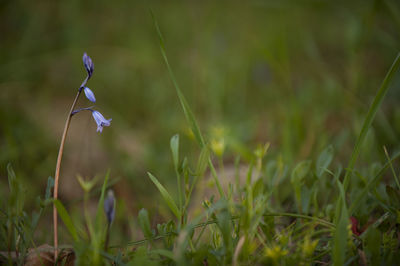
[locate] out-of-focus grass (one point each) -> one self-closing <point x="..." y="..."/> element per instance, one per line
<point x="298" y="74"/>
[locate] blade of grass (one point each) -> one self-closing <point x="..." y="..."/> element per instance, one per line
<point x="174" y="145"/>
<point x="370" y="117"/>
<point x="101" y="201"/>
<point x="391" y="167"/>
<point x="186" y="108"/>
<point x="371" y="184"/>
<point x="200" y="169"/>
<point x="66" y="219"/>
<point x="341" y="233"/>
<point x="167" y="197"/>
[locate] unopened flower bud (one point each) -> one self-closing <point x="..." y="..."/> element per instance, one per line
<point x="87" y="62"/>
<point x="109" y="206"/>
<point x="89" y="94"/>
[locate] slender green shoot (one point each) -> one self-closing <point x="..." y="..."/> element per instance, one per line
<point x="369" y="118"/>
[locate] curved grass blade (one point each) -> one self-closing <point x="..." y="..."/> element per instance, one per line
<point x="101" y="201"/>
<point x="66" y="219"/>
<point x="341" y="233"/>
<point x="167" y="197"/>
<point x="370" y="117"/>
<point x="186" y="108"/>
<point x="371" y="184"/>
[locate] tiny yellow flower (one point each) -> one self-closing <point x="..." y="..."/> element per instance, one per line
<point x="218" y="146"/>
<point x="309" y="246"/>
<point x="275" y="252"/>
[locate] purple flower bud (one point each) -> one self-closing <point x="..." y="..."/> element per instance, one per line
<point x="109" y="206"/>
<point x="100" y="120"/>
<point x="89" y="94"/>
<point x="87" y="62"/>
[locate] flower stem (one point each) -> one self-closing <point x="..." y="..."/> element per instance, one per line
<point x="57" y="174"/>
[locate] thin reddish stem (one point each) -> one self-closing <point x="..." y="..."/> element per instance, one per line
<point x="57" y="174"/>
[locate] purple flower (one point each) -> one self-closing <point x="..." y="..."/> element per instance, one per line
<point x="87" y="62"/>
<point x="89" y="94"/>
<point x="109" y="206"/>
<point x="100" y="120"/>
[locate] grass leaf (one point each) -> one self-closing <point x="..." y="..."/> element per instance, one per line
<point x="101" y="201"/>
<point x="373" y="109"/>
<point x="167" y="197"/>
<point x="360" y="196"/>
<point x="186" y="108"/>
<point x="144" y="223"/>
<point x="324" y="160"/>
<point x="341" y="233"/>
<point x="66" y="219"/>
<point x="174" y="144"/>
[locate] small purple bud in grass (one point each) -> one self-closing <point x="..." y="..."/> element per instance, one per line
<point x="89" y="94"/>
<point x="87" y="62"/>
<point x="100" y="120"/>
<point x="109" y="206"/>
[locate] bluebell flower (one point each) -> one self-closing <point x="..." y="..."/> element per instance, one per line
<point x="89" y="94"/>
<point x="109" y="206"/>
<point x="87" y="62"/>
<point x="100" y="120"/>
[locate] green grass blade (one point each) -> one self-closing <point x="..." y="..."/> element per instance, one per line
<point x="144" y="223"/>
<point x="167" y="197"/>
<point x="324" y="160"/>
<point x="101" y="201"/>
<point x="174" y="144"/>
<point x="200" y="169"/>
<point x="66" y="219"/>
<point x="341" y="233"/>
<point x="186" y="108"/>
<point x="371" y="184"/>
<point x="370" y="117"/>
<point x="163" y="252"/>
<point x="396" y="179"/>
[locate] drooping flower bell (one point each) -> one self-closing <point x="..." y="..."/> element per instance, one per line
<point x="100" y="120"/>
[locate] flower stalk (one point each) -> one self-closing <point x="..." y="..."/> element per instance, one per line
<point x="57" y="174"/>
<point x="100" y="121"/>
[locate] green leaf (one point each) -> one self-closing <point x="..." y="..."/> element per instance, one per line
<point x="373" y="242"/>
<point x="371" y="184"/>
<point x="50" y="184"/>
<point x="174" y="143"/>
<point x="324" y="160"/>
<point x="373" y="109"/>
<point x="186" y="108"/>
<point x="225" y="226"/>
<point x="163" y="252"/>
<point x="300" y="172"/>
<point x="202" y="161"/>
<point x="141" y="258"/>
<point x="17" y="195"/>
<point x="66" y="219"/>
<point x="341" y="233"/>
<point x="101" y="201"/>
<point x="144" y="223"/>
<point x="394" y="196"/>
<point x="167" y="197"/>
<point x="12" y="179"/>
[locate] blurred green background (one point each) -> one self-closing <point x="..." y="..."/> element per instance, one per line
<point x="297" y="74"/>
